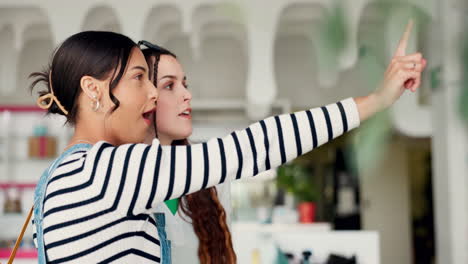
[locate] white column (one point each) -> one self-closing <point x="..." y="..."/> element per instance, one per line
<point x="450" y="146"/>
<point x="354" y="9"/>
<point x="261" y="83"/>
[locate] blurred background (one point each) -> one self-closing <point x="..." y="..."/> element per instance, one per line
<point x="393" y="191"/>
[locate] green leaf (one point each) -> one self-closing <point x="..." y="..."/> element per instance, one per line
<point x="297" y="180"/>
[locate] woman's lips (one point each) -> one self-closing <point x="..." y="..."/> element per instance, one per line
<point x="185" y="116"/>
<point x="147" y="121"/>
<point x="187" y="113"/>
<point x="148" y="117"/>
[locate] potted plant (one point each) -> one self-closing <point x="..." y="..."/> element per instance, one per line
<point x="297" y="179"/>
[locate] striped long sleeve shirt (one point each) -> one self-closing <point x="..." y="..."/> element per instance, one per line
<point x="98" y="204"/>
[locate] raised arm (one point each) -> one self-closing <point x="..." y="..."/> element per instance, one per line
<point x="146" y="175"/>
<point x="139" y="176"/>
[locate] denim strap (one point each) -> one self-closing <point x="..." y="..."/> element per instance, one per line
<point x="39" y="194"/>
<point x="165" y="243"/>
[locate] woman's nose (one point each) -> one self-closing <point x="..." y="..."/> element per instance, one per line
<point x="153" y="93"/>
<point x="187" y="95"/>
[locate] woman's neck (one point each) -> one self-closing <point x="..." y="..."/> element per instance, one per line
<point x="165" y="141"/>
<point x="90" y="135"/>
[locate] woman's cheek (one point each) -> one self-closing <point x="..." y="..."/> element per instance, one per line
<point x="162" y="115"/>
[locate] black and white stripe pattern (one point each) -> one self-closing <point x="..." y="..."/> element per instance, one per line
<point x="98" y="203"/>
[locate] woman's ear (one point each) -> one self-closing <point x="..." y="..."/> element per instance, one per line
<point x="91" y="87"/>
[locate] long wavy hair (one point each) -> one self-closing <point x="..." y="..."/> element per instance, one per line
<point x="204" y="209"/>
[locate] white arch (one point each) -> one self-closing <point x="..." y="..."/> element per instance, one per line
<point x="381" y="26"/>
<point x="8" y="59"/>
<point x="162" y="22"/>
<point x="20" y="25"/>
<point x="36" y="31"/>
<point x="219" y="44"/>
<point x="35" y="53"/>
<point x="300" y="19"/>
<point x="221" y="19"/>
<point x="409" y="115"/>
<point x="296" y="44"/>
<point x="101" y="18"/>
<point x="21" y="18"/>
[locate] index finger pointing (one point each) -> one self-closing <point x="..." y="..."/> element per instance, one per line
<point x="401" y="49"/>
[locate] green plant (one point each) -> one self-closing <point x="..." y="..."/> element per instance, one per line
<point x="297" y="180"/>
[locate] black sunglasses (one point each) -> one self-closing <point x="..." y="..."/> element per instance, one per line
<point x="150" y="45"/>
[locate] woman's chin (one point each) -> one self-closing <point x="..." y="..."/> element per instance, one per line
<point x="183" y="132"/>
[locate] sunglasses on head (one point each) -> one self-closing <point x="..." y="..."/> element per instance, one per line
<point x="150" y="45"/>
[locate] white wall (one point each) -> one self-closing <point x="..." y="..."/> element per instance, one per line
<point x="386" y="206"/>
<point x="450" y="143"/>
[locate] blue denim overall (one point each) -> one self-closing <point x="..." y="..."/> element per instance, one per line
<point x="39" y="195"/>
<point x="165" y="243"/>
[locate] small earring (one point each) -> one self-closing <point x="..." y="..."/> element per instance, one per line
<point x="96" y="103"/>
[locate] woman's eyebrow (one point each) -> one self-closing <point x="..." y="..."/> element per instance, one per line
<point x="171" y="77"/>
<point x="168" y="76"/>
<point x="138" y="68"/>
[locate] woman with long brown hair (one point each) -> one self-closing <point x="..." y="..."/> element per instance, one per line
<point x="201" y="210"/>
<point x="173" y="126"/>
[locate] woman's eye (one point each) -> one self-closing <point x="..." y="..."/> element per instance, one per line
<point x="139" y="77"/>
<point x="186" y="86"/>
<point x="169" y="86"/>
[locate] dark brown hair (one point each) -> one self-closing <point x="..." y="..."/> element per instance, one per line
<point x="94" y="53"/>
<point x="204" y="209"/>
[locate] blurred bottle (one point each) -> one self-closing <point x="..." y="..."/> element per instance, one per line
<point x="12" y="201"/>
<point x="346" y="194"/>
<point x="256" y="256"/>
<point x="40" y="144"/>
